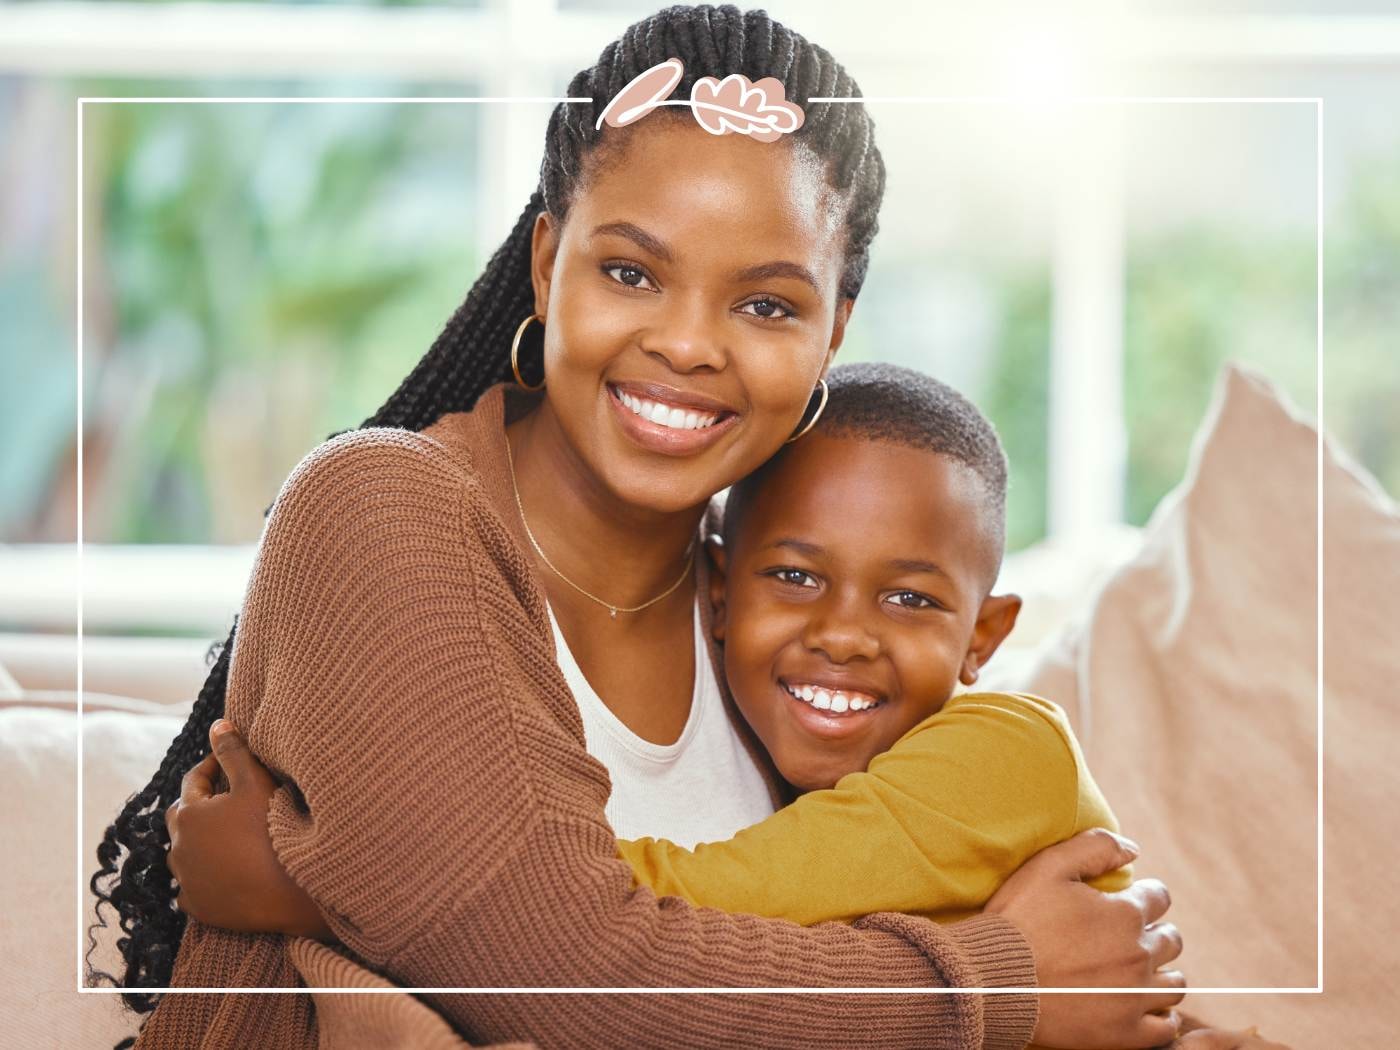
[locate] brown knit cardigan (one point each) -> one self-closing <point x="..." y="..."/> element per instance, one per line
<point x="394" y="666"/>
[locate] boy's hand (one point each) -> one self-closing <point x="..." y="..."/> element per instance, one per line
<point x="1219" y="1039"/>
<point x="1084" y="938"/>
<point x="221" y="852"/>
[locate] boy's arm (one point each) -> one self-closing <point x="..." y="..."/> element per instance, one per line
<point x="934" y="825"/>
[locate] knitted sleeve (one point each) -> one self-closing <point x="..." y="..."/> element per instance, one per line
<point x="440" y="807"/>
<point x="933" y="827"/>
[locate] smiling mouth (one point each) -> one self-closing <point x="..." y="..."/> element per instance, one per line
<point x="673" y="417"/>
<point x="833" y="701"/>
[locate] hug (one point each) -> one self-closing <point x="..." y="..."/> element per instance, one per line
<point x="517" y="698"/>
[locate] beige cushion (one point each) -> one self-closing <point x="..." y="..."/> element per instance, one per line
<point x="123" y="741"/>
<point x="1193" y="683"/>
<point x="9" y="688"/>
<point x="167" y="670"/>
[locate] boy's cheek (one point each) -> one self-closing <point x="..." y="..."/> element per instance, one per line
<point x="758" y="628"/>
<point x="750" y="674"/>
<point x="928" y="667"/>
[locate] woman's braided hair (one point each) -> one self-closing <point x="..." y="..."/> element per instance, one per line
<point x="472" y="354"/>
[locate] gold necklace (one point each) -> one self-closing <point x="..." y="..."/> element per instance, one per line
<point x="613" y="610"/>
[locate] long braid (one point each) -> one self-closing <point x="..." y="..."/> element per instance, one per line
<point x="472" y="353"/>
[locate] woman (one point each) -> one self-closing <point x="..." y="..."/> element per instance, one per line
<point x="400" y="623"/>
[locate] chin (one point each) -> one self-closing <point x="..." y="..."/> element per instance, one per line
<point x="663" y="495"/>
<point x="809" y="777"/>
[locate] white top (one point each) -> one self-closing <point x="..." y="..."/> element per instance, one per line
<point x="702" y="788"/>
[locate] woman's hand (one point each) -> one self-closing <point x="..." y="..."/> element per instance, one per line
<point x="221" y="852"/>
<point x="1084" y="938"/>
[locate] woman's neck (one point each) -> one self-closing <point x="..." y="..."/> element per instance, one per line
<point x="621" y="554"/>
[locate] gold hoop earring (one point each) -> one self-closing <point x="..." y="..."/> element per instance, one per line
<point x="515" y="352"/>
<point x="813" y="422"/>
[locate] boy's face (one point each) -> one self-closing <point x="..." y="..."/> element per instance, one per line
<point x="858" y="580"/>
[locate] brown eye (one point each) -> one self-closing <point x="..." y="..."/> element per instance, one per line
<point x="633" y="274"/>
<point x="913" y="600"/>
<point x="796" y="577"/>
<point x="770" y="304"/>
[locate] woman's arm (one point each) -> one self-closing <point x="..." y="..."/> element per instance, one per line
<point x="452" y="828"/>
<point x="224" y="852"/>
<point x="933" y="827"/>
<point x="220" y="848"/>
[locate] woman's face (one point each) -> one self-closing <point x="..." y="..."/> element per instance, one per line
<point x="691" y="305"/>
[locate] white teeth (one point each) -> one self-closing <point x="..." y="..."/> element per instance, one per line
<point x="667" y="415"/>
<point x="835" y="701"/>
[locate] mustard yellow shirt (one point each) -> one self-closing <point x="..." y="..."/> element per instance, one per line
<point x="933" y="826"/>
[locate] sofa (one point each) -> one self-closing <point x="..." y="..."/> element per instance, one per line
<point x="1190" y="671"/>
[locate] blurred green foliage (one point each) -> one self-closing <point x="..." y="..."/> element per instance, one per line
<point x="270" y="273"/>
<point x="1361" y="395"/>
<point x="1016" y="401"/>
<point x="275" y="270"/>
<point x="1193" y="300"/>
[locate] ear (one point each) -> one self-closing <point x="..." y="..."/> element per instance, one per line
<point x="544" y="247"/>
<point x="719" y="558"/>
<point x="838" y="331"/>
<point x="994" y="622"/>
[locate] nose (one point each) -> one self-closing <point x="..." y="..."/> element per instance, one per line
<point x="838" y="628"/>
<point x="688" y="337"/>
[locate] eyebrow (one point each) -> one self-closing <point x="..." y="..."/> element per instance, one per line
<point x="914" y="565"/>
<point x="647" y="242"/>
<point x="811" y="550"/>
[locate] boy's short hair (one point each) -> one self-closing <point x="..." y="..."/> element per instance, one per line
<point x="875" y="401"/>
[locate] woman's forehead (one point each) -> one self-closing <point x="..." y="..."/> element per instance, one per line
<point x="677" y="178"/>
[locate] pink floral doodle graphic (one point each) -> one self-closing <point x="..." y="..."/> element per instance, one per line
<point x="642" y="94"/>
<point x="734" y="105"/>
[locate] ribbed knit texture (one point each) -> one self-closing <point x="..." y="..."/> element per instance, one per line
<point x="394" y="660"/>
<point x="370" y="1022"/>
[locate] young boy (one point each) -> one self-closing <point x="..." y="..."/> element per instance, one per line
<point x="852" y="592"/>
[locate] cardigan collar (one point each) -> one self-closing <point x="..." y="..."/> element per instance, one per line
<point x="480" y="436"/>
